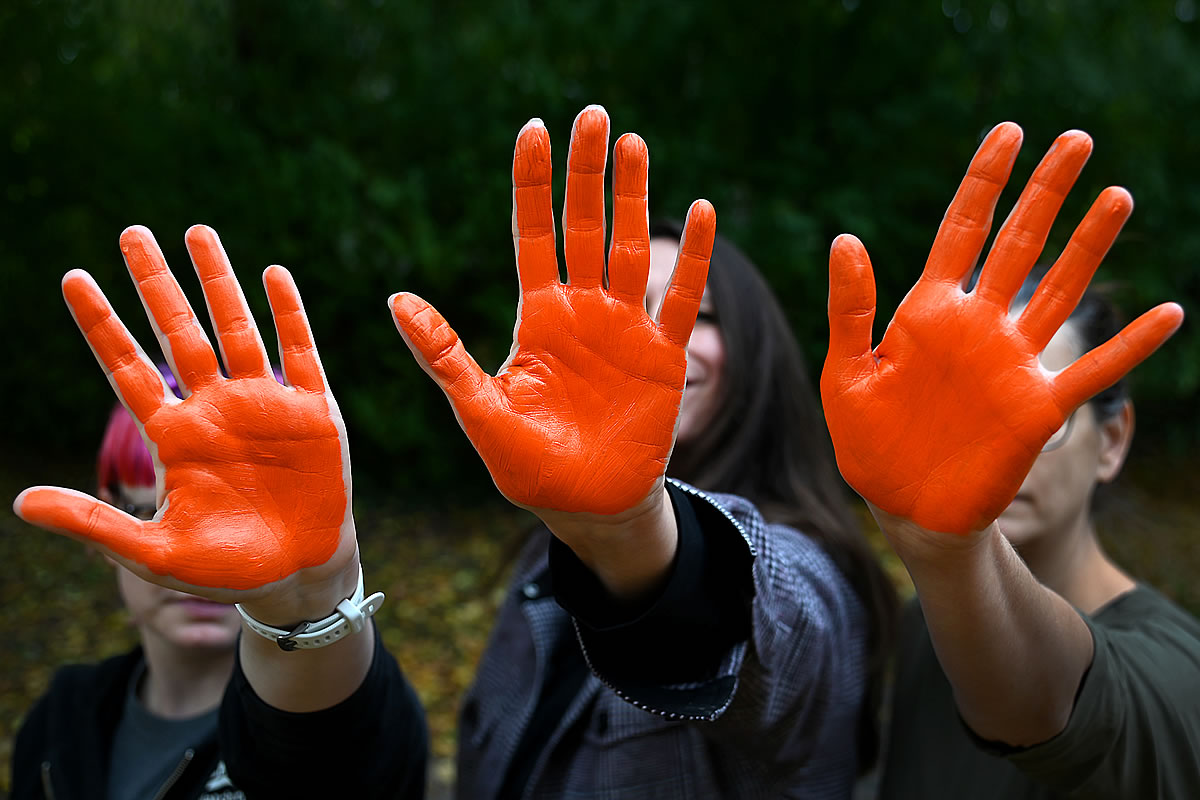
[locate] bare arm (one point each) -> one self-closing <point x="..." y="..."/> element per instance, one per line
<point x="254" y="503"/>
<point x="1015" y="651"/>
<point x="938" y="426"/>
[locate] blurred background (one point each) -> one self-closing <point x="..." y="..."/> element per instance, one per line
<point x="367" y="146"/>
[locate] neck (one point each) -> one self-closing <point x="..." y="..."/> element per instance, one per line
<point x="1076" y="567"/>
<point x="183" y="683"/>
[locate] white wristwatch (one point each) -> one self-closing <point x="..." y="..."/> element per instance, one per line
<point x="350" y="616"/>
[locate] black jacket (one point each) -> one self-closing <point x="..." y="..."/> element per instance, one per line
<point x="65" y="742"/>
<point x="63" y="748"/>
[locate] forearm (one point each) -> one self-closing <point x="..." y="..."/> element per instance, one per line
<point x="683" y="632"/>
<point x="1013" y="650"/>
<point x="304" y="680"/>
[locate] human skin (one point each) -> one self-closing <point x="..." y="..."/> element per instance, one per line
<point x="254" y="500"/>
<point x="705" y="349"/>
<point x="578" y="424"/>
<point x="938" y="426"/>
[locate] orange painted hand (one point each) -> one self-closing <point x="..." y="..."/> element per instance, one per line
<point x="582" y="416"/>
<point x="940" y="423"/>
<point x="254" y="476"/>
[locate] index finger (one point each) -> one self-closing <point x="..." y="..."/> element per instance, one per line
<point x="681" y="303"/>
<point x="137" y="382"/>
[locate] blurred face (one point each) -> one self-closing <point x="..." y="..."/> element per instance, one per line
<point x="1056" y="495"/>
<point x="180" y="620"/>
<point x="705" y="351"/>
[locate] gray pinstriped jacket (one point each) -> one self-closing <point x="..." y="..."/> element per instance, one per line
<point x="777" y="718"/>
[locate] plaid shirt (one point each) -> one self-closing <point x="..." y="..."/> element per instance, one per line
<point x="777" y="717"/>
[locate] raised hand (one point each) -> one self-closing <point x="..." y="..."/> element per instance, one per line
<point x="941" y="422"/>
<point x="253" y="476"/>
<point x="582" y="416"/>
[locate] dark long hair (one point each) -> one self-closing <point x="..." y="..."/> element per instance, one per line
<point x="768" y="443"/>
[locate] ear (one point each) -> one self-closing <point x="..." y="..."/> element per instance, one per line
<point x="1116" y="435"/>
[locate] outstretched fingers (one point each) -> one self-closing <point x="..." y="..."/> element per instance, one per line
<point x="851" y="307"/>
<point x="965" y="227"/>
<point x="1102" y="367"/>
<point x="297" y="351"/>
<point x="134" y="378"/>
<point x="179" y="332"/>
<point x="241" y="345"/>
<point x="583" y="212"/>
<point x="1023" y="235"/>
<point x="681" y="303"/>
<point x="629" y="257"/>
<point x="439" y="351"/>
<point x="1059" y="292"/>
<point x="533" y="209"/>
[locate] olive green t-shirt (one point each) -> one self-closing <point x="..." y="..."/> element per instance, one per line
<point x="1134" y="731"/>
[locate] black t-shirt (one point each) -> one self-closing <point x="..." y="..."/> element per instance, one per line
<point x="1134" y="731"/>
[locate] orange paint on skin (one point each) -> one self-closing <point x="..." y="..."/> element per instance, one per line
<point x="179" y="331"/>
<point x="941" y="422"/>
<point x="255" y="474"/>
<point x="582" y="416"/>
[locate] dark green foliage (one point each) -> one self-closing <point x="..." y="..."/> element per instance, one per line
<point x="367" y="147"/>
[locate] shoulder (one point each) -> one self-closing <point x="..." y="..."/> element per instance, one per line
<point x="75" y="687"/>
<point x="1136" y="721"/>
<point x="81" y="701"/>
<point x="1147" y="635"/>
<point x="1145" y="608"/>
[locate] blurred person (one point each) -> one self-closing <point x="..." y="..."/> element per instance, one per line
<point x="1153" y="646"/>
<point x="252" y="477"/>
<point x="746" y="641"/>
<point x="696" y="644"/>
<point x="142" y="724"/>
<point x="979" y="429"/>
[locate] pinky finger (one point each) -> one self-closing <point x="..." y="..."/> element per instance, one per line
<point x="301" y="364"/>
<point x="1100" y="368"/>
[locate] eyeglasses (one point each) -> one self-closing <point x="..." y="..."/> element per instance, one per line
<point x="143" y="511"/>
<point x="1060" y="436"/>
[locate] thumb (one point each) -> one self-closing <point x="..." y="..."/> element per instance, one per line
<point x="81" y="517"/>
<point x="1108" y="363"/>
<point x="851" y="309"/>
<point x="439" y="351"/>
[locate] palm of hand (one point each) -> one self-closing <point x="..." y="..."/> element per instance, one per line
<point x="582" y="418"/>
<point x="253" y="485"/>
<point x="587" y="405"/>
<point x="957" y="397"/>
<point x="941" y="423"/>
<point x="255" y="482"/>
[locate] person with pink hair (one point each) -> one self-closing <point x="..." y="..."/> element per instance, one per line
<point x="144" y="723"/>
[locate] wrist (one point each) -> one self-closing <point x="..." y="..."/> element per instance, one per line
<point x="922" y="548"/>
<point x="293" y="601"/>
<point x="631" y="552"/>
